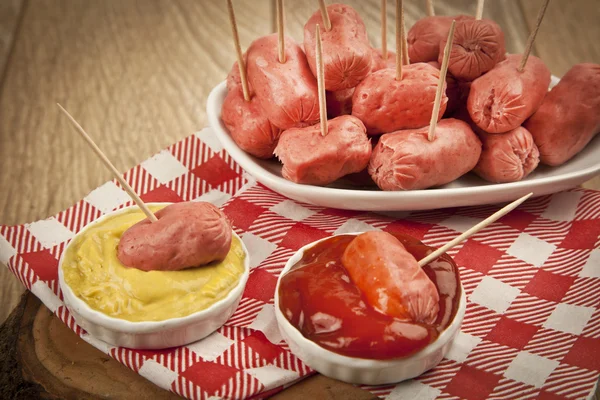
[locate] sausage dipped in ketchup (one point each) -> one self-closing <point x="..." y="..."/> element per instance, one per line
<point x="330" y="306"/>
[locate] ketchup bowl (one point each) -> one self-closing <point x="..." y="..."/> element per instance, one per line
<point x="177" y="328"/>
<point x="365" y="369"/>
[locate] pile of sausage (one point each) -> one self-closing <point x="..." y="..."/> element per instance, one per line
<point x="498" y="122"/>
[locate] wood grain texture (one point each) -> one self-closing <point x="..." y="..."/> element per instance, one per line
<point x="136" y="75"/>
<point x="10" y="16"/>
<point x="42" y="355"/>
<point x="569" y="33"/>
<point x="11" y="12"/>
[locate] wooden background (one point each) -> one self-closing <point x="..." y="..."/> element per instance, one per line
<point x="136" y="75"/>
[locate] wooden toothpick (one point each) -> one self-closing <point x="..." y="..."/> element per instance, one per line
<point x="281" y="31"/>
<point x="111" y="167"/>
<point x="384" y="52"/>
<point x="405" y="59"/>
<point x="321" y="82"/>
<point x="532" y="36"/>
<point x="399" y="38"/>
<point x="430" y="10"/>
<point x="325" y="15"/>
<point x="479" y="12"/>
<point x="489" y="220"/>
<point x="238" y="51"/>
<point x="440" y="88"/>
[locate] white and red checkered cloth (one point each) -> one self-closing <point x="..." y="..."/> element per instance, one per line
<point x="532" y="279"/>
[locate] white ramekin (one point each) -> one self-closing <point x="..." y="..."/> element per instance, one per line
<point x="359" y="370"/>
<point x="152" y="334"/>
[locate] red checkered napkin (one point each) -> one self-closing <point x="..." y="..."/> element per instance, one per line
<point x="532" y="279"/>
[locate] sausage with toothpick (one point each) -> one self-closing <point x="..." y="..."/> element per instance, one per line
<point x="311" y="158"/>
<point x="346" y="49"/>
<point x="504" y="98"/>
<point x="186" y="235"/>
<point x="426" y="34"/>
<point x="477" y="47"/>
<point x="339" y="102"/>
<point x="286" y="92"/>
<point x="248" y="126"/>
<point x="407" y="160"/>
<point x="390" y="278"/>
<point x="385" y="104"/>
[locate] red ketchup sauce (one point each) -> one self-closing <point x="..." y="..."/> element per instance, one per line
<point x="319" y="299"/>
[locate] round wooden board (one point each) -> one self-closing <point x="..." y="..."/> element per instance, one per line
<point x="41" y="358"/>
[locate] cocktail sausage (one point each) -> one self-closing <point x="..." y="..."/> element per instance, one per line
<point x="407" y="160"/>
<point x="346" y="49"/>
<point x="504" y="98"/>
<point x="286" y="92"/>
<point x="569" y="117"/>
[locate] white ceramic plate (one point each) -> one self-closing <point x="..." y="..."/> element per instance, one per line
<point x="468" y="190"/>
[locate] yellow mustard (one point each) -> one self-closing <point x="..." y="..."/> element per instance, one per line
<point x="95" y="274"/>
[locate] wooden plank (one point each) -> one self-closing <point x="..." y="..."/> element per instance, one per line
<point x="41" y="355"/>
<point x="10" y="15"/>
<point x="569" y="32"/>
<point x="136" y="75"/>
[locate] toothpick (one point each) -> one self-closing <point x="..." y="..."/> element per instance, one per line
<point x="321" y="82"/>
<point x="384" y="52"/>
<point x="399" y="38"/>
<point x="479" y="12"/>
<point x="489" y="220"/>
<point x="532" y="36"/>
<point x="430" y="10"/>
<point x="281" y="31"/>
<point x="238" y="51"/>
<point x="325" y="15"/>
<point x="440" y="88"/>
<point x="405" y="59"/>
<point x="111" y="167"/>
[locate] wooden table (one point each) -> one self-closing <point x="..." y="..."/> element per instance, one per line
<point x="136" y="75"/>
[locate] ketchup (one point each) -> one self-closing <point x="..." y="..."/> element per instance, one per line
<point x="318" y="297"/>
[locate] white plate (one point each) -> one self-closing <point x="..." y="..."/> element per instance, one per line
<point x="468" y="190"/>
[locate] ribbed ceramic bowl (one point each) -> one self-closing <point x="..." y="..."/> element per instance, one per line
<point x="359" y="370"/>
<point x="152" y="334"/>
